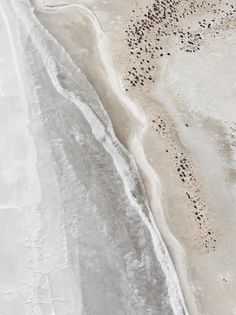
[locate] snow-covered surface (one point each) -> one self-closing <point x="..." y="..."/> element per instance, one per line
<point x="34" y="273"/>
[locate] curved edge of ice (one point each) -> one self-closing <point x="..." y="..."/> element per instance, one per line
<point x="104" y="133"/>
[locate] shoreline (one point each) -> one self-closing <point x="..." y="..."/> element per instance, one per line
<point x="135" y="112"/>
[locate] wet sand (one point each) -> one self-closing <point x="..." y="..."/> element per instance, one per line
<point x="185" y="145"/>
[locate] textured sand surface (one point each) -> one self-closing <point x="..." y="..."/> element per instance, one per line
<point x="175" y="61"/>
<point x="164" y="73"/>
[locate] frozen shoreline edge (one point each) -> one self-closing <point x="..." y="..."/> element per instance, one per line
<point x="122" y="159"/>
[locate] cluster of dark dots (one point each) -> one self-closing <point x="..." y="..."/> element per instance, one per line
<point x="232" y="135"/>
<point x="185" y="172"/>
<point x="183" y="169"/>
<point x="159" y="124"/>
<point x="187" y="178"/>
<point x="149" y="28"/>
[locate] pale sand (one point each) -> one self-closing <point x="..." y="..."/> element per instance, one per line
<point x="185" y="94"/>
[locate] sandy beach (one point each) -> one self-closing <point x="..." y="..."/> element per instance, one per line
<point x="133" y="120"/>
